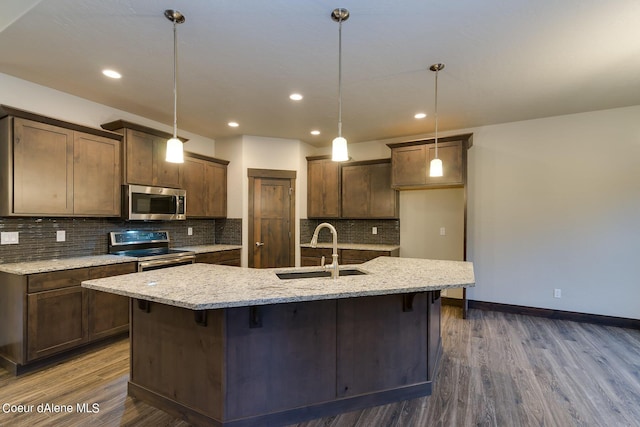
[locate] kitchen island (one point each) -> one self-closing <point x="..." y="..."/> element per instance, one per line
<point x="230" y="346"/>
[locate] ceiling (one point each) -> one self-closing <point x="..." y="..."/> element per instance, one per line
<point x="240" y="59"/>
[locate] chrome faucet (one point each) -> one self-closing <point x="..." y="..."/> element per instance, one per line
<point x="314" y="242"/>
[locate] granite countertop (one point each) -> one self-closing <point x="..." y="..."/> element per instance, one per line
<point x="356" y="246"/>
<point x="208" y="286"/>
<point x="45" y="266"/>
<point x="202" y="249"/>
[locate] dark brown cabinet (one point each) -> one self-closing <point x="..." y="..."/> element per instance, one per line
<point x="366" y="190"/>
<point x="144" y="156"/>
<point x="205" y="180"/>
<point x="323" y="187"/>
<point x="313" y="256"/>
<point x="45" y="314"/>
<point x="229" y="257"/>
<point x="56" y="168"/>
<point x="410" y="162"/>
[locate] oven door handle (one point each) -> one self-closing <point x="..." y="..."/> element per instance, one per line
<point x="160" y="262"/>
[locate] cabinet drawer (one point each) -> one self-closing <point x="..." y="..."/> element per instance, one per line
<point x="230" y="257"/>
<point x="56" y="279"/>
<point x="316" y="252"/>
<point x="360" y="255"/>
<point x="112" y="270"/>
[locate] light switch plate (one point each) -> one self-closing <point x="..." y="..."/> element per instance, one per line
<point x="374" y="230"/>
<point x="443" y="231"/>
<point x="61" y="236"/>
<point x="9" y="238"/>
<point x="189" y="231"/>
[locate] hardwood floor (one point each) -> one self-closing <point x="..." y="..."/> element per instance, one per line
<point x="498" y="369"/>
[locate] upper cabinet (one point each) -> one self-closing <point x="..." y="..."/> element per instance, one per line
<point x="55" y="168"/>
<point x="350" y="190"/>
<point x="205" y="180"/>
<point x="366" y="190"/>
<point x="323" y="187"/>
<point x="144" y="156"/>
<point x="410" y="162"/>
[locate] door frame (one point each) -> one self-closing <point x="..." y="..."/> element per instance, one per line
<point x="252" y="174"/>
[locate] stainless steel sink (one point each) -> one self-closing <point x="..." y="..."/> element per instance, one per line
<point x="318" y="273"/>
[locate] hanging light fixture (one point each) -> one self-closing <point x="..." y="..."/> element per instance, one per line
<point x="435" y="167"/>
<point x="174" y="145"/>
<point x="339" y="151"/>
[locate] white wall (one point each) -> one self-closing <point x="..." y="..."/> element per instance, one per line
<point x="555" y="203"/>
<point x="48" y="102"/>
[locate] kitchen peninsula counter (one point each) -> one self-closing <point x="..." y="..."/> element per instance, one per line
<point x="205" y="286"/>
<point x="238" y="347"/>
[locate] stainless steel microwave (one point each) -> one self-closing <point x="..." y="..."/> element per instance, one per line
<point x="153" y="203"/>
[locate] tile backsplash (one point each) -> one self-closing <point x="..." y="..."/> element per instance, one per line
<point x="89" y="236"/>
<point x="354" y="231"/>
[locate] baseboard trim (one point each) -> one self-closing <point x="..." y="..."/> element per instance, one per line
<point x="456" y="302"/>
<point x="621" y="322"/>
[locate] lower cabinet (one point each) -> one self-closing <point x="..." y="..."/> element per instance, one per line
<point x="45" y="314"/>
<point x="313" y="256"/>
<point x="231" y="257"/>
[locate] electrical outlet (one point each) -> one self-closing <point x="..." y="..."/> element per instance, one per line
<point x="557" y="293"/>
<point x="61" y="236"/>
<point x="9" y="238"/>
<point x="189" y="231"/>
<point x="374" y="230"/>
<point x="443" y="231"/>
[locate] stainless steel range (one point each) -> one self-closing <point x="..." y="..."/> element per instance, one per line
<point x="151" y="248"/>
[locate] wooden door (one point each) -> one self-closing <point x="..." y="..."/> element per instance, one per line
<point x="409" y="165"/>
<point x="271" y="218"/>
<point x="165" y="174"/>
<point x="356" y="191"/>
<point x="452" y="166"/>
<point x="384" y="200"/>
<point x="43" y="168"/>
<point x="96" y="178"/>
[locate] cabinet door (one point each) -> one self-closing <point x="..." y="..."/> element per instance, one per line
<point x="96" y="175"/>
<point x="384" y="200"/>
<point x="356" y="191"/>
<point x="108" y="313"/>
<point x="451" y="155"/>
<point x="231" y="257"/>
<point x="57" y="320"/>
<point x="43" y="168"/>
<point x="165" y="174"/>
<point x="193" y="181"/>
<point x="216" y="190"/>
<point x="409" y="165"/>
<point x="323" y="189"/>
<point x="313" y="256"/>
<point x="139" y="157"/>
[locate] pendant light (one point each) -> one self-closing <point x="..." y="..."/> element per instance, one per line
<point x="174" y="145"/>
<point x="435" y="167"/>
<point x="339" y="151"/>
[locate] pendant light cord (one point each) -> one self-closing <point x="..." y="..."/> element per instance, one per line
<point x="340" y="77"/>
<point x="436" y="112"/>
<point x="175" y="79"/>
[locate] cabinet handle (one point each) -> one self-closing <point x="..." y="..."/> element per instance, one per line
<point x="259" y="243"/>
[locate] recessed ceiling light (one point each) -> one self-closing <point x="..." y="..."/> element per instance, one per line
<point x="233" y="124"/>
<point x="295" y="97"/>
<point x="112" y="74"/>
<point x="420" y="116"/>
<point x="315" y="132"/>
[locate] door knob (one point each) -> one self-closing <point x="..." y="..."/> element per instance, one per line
<point x="259" y="243"/>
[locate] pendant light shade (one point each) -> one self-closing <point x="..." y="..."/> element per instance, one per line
<point x="435" y="167"/>
<point x="175" y="152"/>
<point x="339" y="150"/>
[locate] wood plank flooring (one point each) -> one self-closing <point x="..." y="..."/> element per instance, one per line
<point x="497" y="369"/>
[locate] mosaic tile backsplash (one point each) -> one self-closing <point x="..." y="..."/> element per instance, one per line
<point x="89" y="236"/>
<point x="354" y="231"/>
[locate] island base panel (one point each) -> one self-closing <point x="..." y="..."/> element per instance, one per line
<point x="283" y="363"/>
